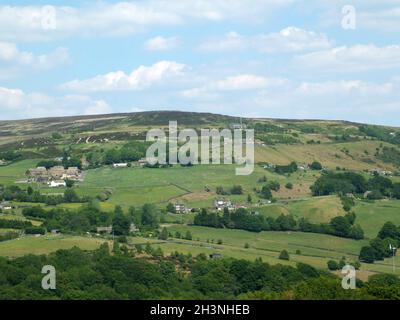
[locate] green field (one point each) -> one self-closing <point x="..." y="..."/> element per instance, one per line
<point x="46" y="244"/>
<point x="315" y="249"/>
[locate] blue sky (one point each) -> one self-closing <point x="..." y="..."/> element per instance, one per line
<point x="256" y="58"/>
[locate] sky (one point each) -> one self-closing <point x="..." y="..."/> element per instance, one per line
<point x="300" y="59"/>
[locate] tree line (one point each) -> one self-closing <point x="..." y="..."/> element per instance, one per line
<point x="341" y="226"/>
<point x="106" y="275"/>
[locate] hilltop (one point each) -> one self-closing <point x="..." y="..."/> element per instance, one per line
<point x="335" y="143"/>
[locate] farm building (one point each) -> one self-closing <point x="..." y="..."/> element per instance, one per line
<point x="220" y="204"/>
<point x="104" y="229"/>
<point x="120" y="165"/>
<point x="133" y="228"/>
<point x="57" y="172"/>
<point x="5" y="205"/>
<point x="57" y="183"/>
<point x="181" y="208"/>
<point x="35" y="172"/>
<point x="42" y="175"/>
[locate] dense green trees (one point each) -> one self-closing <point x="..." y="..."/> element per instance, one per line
<point x="284" y="169"/>
<point x="342" y="226"/>
<point x="120" y="222"/>
<point x="351" y="182"/>
<point x="131" y="151"/>
<point x="104" y="275"/>
<point x="343" y="182"/>
<point x="379" y="248"/>
<point x="30" y="195"/>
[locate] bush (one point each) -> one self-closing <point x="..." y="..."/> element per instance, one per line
<point x="237" y="190"/>
<point x="284" y="255"/>
<point x="316" y="166"/>
<point x="35" y="230"/>
<point x="289" y="185"/>
<point x="367" y="254"/>
<point x="333" y="265"/>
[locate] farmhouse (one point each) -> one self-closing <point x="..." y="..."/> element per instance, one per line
<point x="42" y="175"/>
<point x="57" y="172"/>
<point x="120" y="165"/>
<point x="104" y="229"/>
<point x="181" y="208"/>
<point x="5" y="205"/>
<point x="57" y="183"/>
<point x="37" y="172"/>
<point x="220" y="204"/>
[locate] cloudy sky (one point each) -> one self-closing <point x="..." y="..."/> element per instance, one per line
<point x="261" y="58"/>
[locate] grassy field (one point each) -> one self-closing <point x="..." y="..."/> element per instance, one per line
<point x="10" y="173"/>
<point x="330" y="154"/>
<point x="46" y="244"/>
<point x="372" y="216"/>
<point x="136" y="186"/>
<point x="315" y="249"/>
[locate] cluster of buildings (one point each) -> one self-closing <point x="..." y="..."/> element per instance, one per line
<point x="141" y="163"/>
<point x="221" y="204"/>
<point x="381" y="172"/>
<point x="109" y="229"/>
<point x="55" y="176"/>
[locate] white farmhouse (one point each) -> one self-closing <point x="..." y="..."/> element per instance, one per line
<point x="57" y="183"/>
<point x="120" y="165"/>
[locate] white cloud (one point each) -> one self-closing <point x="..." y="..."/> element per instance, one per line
<point x="99" y="107"/>
<point x="140" y="78"/>
<point x="17" y="104"/>
<point x="351" y="59"/>
<point x="290" y="39"/>
<point x="160" y="43"/>
<point x="242" y="82"/>
<point x="14" y="62"/>
<point x="28" y="23"/>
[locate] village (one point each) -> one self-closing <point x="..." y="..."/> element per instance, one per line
<point x="54" y="177"/>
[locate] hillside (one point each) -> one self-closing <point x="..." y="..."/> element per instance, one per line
<point x="91" y="145"/>
<point x="334" y="143"/>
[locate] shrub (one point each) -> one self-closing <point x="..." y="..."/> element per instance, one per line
<point x="284" y="255"/>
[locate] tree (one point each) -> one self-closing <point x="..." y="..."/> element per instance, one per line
<point x="69" y="183"/>
<point x="284" y="255"/>
<point x="274" y="185"/>
<point x="341" y="226"/>
<point x="249" y="199"/>
<point x="289" y="185"/>
<point x="332" y="265"/>
<point x="188" y="235"/>
<point x="120" y="222"/>
<point x="316" y="166"/>
<point x="389" y="230"/>
<point x="356" y="232"/>
<point x="149" y="216"/>
<point x="163" y="234"/>
<point x="237" y="189"/>
<point x="171" y="208"/>
<point x="266" y="192"/>
<point x="70" y="196"/>
<point x="367" y="254"/>
<point x="29" y="190"/>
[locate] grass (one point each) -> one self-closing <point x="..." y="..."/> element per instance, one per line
<point x="372" y="216"/>
<point x="10" y="173"/>
<point x="46" y="244"/>
<point x="314" y="249"/>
